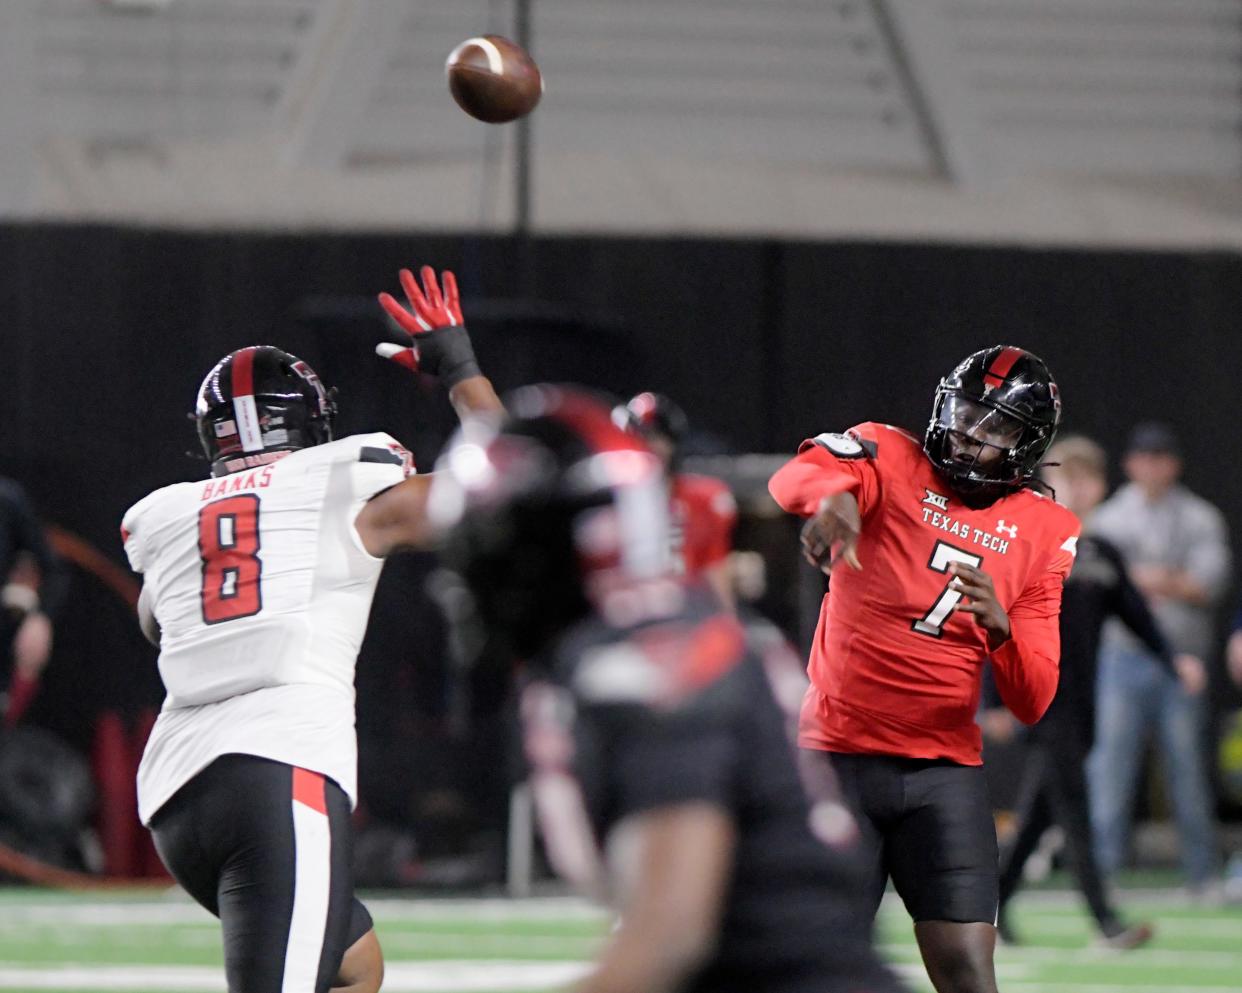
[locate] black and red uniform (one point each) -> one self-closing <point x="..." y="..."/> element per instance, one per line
<point x="683" y="711"/>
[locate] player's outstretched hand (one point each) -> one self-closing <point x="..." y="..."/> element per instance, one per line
<point x="439" y="345"/>
<point x="835" y="527"/>
<point x="979" y="598"/>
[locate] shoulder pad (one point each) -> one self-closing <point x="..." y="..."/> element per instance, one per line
<point x="378" y="448"/>
<point x="369" y="454"/>
<point x="904" y="434"/>
<point x="847" y="446"/>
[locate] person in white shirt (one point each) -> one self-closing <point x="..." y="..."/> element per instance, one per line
<point x="257" y="586"/>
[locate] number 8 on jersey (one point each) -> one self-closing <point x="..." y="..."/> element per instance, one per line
<point x="228" y="543"/>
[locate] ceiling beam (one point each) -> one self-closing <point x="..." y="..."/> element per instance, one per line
<point x="19" y="117"/>
<point x="350" y="46"/>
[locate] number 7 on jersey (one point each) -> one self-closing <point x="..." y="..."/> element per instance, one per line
<point x="228" y="543"/>
<point x="932" y="623"/>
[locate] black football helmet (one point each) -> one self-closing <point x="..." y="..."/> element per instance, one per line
<point x="994" y="417"/>
<point x="549" y="515"/>
<point x="258" y="401"/>
<point x="658" y="421"/>
<point x="652" y="413"/>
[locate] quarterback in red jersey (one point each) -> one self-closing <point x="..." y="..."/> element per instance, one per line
<point x="952" y="557"/>
<point x="703" y="511"/>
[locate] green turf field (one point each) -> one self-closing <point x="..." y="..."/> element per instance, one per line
<point x="147" y="942"/>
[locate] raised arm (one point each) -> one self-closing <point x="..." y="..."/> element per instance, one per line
<point x="439" y="346"/>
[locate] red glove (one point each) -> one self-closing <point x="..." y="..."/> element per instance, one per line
<point x="440" y="345"/>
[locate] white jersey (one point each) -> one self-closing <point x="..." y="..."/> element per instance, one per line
<point x="261" y="587"/>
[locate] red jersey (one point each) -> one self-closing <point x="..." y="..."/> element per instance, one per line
<point x="894" y="669"/>
<point x="704" y="514"/>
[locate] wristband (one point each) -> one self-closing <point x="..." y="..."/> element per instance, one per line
<point x="447" y="354"/>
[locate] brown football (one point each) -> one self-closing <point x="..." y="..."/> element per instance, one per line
<point x="492" y="79"/>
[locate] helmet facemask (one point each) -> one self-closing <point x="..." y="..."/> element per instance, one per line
<point x="994" y="417"/>
<point x="981" y="448"/>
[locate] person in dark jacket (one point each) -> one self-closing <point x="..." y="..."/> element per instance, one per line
<point x="32" y="581"/>
<point x="1053" y="790"/>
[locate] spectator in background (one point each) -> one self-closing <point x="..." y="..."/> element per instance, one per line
<point x="1230" y="766"/>
<point x="1053" y="789"/>
<point x="703" y="510"/>
<point x="32" y="580"/>
<point x="1177" y="547"/>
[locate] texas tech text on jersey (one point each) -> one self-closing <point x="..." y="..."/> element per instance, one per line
<point x="895" y="668"/>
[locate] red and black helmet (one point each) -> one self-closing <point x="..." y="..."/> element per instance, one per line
<point x="994" y="417"/>
<point x="550" y="515"/>
<point x="652" y="413"/>
<point x="258" y="401"/>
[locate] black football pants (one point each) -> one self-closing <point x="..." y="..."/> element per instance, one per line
<point x="267" y="849"/>
<point x="927" y="825"/>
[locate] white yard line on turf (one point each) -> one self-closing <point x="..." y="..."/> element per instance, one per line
<point x="914" y="973"/>
<point x="176" y="979"/>
<point x="185" y="912"/>
<point x="1151" y="899"/>
<point x="399" y="977"/>
<point x="1045" y="986"/>
<point x="487" y="909"/>
<point x="1183" y="928"/>
<point x="1138" y="958"/>
<point x="403" y="944"/>
<point x="105" y="914"/>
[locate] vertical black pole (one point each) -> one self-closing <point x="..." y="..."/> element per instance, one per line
<point x="522" y="170"/>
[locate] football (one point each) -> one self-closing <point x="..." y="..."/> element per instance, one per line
<point x="492" y="79"/>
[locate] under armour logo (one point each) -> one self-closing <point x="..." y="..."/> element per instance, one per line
<point x="935" y="499"/>
<point x="1009" y="529"/>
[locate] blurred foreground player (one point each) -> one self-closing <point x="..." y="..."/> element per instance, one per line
<point x="663" y="771"/>
<point x="953" y="558"/>
<point x="258" y="583"/>
<point x="704" y="512"/>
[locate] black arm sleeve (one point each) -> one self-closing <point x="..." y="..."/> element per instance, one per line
<point x="30" y="538"/>
<point x="1128" y="604"/>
